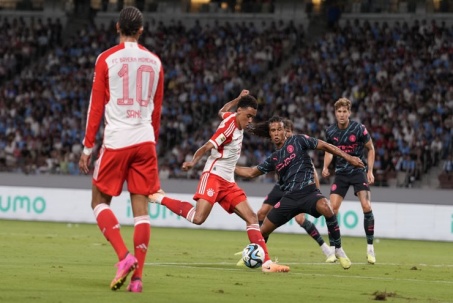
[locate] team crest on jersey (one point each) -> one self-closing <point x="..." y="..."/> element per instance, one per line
<point x="220" y="139"/>
<point x="352" y="138"/>
<point x="210" y="192"/>
<point x="290" y="149"/>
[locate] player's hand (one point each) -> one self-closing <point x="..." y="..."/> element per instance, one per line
<point x="187" y="165"/>
<point x="243" y="93"/>
<point x="83" y="163"/>
<point x="370" y="177"/>
<point x="356" y="162"/>
<point x="325" y="172"/>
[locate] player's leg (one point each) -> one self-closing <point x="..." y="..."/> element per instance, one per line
<point x="108" y="178"/>
<point x="236" y="201"/>
<point x="311" y="229"/>
<point x="205" y="201"/>
<point x="142" y="235"/>
<point x="338" y="191"/>
<point x="323" y="207"/>
<point x="368" y="223"/>
<point x="262" y="213"/>
<point x="142" y="170"/>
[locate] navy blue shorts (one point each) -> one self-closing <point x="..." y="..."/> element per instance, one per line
<point x="341" y="183"/>
<point x="294" y="203"/>
<point x="274" y="196"/>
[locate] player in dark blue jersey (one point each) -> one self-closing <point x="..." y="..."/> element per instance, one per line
<point x="352" y="138"/>
<point x="275" y="195"/>
<point x="292" y="163"/>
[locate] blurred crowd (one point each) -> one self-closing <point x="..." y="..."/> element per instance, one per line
<point x="398" y="77"/>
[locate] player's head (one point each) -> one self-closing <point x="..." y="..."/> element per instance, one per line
<point x="246" y="111"/>
<point x="273" y="129"/>
<point x="342" y="111"/>
<point x="130" y="22"/>
<point x="289" y="127"/>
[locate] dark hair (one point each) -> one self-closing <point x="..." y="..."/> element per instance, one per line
<point x="248" y="101"/>
<point x="288" y="124"/>
<point x="261" y="129"/>
<point x="130" y="21"/>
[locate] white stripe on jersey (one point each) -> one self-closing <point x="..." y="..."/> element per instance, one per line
<point x="224" y="157"/>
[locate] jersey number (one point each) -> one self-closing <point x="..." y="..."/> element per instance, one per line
<point x="139" y="87"/>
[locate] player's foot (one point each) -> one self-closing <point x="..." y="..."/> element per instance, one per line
<point x="156" y="197"/>
<point x="270" y="266"/>
<point x="341" y="256"/>
<point x="371" y="258"/>
<point x="331" y="259"/>
<point x="135" y="286"/>
<point x="125" y="266"/>
<point x="240" y="262"/>
<point x="329" y="253"/>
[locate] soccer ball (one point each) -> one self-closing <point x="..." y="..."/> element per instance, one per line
<point x="253" y="255"/>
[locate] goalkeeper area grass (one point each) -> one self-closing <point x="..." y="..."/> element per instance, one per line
<point x="59" y="262"/>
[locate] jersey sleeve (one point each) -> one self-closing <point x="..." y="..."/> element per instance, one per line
<point x="364" y="134"/>
<point x="99" y="95"/>
<point x="224" y="133"/>
<point x="158" y="99"/>
<point x="267" y="165"/>
<point x="307" y="142"/>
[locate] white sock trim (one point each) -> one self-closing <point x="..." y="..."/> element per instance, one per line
<point x="99" y="208"/>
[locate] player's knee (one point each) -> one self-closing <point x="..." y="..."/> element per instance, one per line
<point x="300" y="219"/>
<point x="198" y="220"/>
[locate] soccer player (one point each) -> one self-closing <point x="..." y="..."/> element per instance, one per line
<point x="294" y="167"/>
<point x="217" y="182"/>
<point x="275" y="196"/>
<point x="351" y="137"/>
<point x="128" y="91"/>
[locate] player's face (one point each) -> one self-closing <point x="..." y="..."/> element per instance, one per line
<point x="277" y="133"/>
<point x="245" y="116"/>
<point x="342" y="115"/>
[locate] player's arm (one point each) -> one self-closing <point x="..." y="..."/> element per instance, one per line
<point x="327" y="160"/>
<point x="247" y="172"/>
<point x="198" y="155"/>
<point x="158" y="99"/>
<point x="371" y="155"/>
<point x="329" y="148"/>
<point x="95" y="113"/>
<point x="315" y="175"/>
<point x="229" y="105"/>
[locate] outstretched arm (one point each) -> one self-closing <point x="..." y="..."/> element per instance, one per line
<point x="370" y="159"/>
<point x="323" y="145"/>
<point x="247" y="172"/>
<point x="229" y="105"/>
<point x="197" y="156"/>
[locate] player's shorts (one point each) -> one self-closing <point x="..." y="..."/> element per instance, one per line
<point x="136" y="164"/>
<point x="294" y="203"/>
<point x="213" y="188"/>
<point x="274" y="196"/>
<point x="341" y="183"/>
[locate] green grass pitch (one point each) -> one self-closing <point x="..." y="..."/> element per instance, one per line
<point x="58" y="262"/>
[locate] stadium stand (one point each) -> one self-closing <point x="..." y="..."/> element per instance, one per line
<point x="397" y="74"/>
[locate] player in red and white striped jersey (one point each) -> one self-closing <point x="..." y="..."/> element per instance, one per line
<point x="217" y="181"/>
<point x="127" y="92"/>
